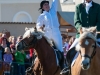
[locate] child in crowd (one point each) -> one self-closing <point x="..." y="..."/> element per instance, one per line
<point x="20" y="57"/>
<point x="8" y="60"/>
<point x="7" y="56"/>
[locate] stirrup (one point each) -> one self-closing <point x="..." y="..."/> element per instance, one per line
<point x="28" y="69"/>
<point x="65" y="70"/>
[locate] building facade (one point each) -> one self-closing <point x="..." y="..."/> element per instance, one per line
<point x="26" y="12"/>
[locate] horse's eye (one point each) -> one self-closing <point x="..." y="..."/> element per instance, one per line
<point x="80" y="44"/>
<point x="93" y="45"/>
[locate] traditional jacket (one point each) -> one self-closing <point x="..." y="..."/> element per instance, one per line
<point x="84" y="19"/>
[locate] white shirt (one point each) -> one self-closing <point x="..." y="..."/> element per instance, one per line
<point x="49" y="19"/>
<point x="88" y="5"/>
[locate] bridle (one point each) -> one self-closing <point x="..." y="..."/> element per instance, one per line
<point x="93" y="53"/>
<point x="33" y="42"/>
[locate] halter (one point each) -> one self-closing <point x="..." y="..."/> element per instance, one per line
<point x="34" y="40"/>
<point x="93" y="53"/>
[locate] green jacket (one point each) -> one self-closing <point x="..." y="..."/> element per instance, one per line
<point x="82" y="19"/>
<point x="20" y="57"/>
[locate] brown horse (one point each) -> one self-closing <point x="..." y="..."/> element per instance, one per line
<point x="45" y="64"/>
<point x="88" y="60"/>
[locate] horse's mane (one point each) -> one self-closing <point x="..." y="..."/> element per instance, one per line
<point x="87" y="32"/>
<point x="39" y="35"/>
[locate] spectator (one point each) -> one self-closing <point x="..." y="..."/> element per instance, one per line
<point x="4" y="36"/>
<point x="10" y="39"/>
<point x="20" y="57"/>
<point x="70" y="42"/>
<point x="31" y="53"/>
<point x="7" y="56"/>
<point x="13" y="43"/>
<point x="13" y="40"/>
<point x="14" y="65"/>
<point x="4" y="42"/>
<point x="1" y="53"/>
<point x="19" y="38"/>
<point x="8" y="60"/>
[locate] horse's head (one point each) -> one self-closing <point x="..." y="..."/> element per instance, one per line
<point x="30" y="38"/>
<point x="87" y="46"/>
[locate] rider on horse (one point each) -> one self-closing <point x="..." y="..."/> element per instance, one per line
<point x="87" y="14"/>
<point x="48" y="23"/>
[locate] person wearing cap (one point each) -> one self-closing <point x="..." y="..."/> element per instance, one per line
<point x="87" y="14"/>
<point x="48" y="22"/>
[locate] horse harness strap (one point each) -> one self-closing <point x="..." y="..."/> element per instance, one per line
<point x="93" y="53"/>
<point x="33" y="42"/>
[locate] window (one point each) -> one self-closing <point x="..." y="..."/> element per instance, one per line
<point x="68" y="1"/>
<point x="22" y="16"/>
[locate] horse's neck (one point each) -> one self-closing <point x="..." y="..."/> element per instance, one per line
<point x="46" y="56"/>
<point x="43" y="49"/>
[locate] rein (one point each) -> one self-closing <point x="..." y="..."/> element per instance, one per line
<point x="32" y="42"/>
<point x="29" y="69"/>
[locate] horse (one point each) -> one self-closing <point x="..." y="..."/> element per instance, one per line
<point x="45" y="63"/>
<point x="88" y="59"/>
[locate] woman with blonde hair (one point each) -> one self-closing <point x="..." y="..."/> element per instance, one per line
<point x="8" y="60"/>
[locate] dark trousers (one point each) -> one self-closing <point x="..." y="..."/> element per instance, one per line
<point x="14" y="69"/>
<point x="21" y="69"/>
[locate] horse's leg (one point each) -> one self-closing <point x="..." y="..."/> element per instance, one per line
<point x="37" y="67"/>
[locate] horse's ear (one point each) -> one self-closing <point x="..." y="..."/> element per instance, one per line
<point x="81" y="30"/>
<point x="93" y="29"/>
<point x="84" y="29"/>
<point x="26" y="28"/>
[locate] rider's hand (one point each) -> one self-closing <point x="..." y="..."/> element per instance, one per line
<point x="80" y="30"/>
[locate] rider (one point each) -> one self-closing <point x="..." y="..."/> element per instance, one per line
<point x="48" y="22"/>
<point x="87" y="14"/>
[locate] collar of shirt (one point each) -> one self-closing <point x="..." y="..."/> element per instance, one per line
<point x="44" y="12"/>
<point x="88" y="4"/>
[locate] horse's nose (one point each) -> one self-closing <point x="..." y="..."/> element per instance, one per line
<point x="84" y="63"/>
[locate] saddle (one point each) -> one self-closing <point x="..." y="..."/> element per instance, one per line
<point x="58" y="53"/>
<point x="70" y="55"/>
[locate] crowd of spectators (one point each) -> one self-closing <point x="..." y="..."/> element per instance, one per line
<point x="15" y="62"/>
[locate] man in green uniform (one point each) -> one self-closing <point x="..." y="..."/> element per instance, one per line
<point x="87" y="14"/>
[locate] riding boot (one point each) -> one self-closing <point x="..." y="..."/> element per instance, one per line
<point x="64" y="69"/>
<point x="62" y="61"/>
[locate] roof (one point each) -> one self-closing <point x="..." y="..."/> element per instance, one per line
<point x="17" y="23"/>
<point x="68" y="17"/>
